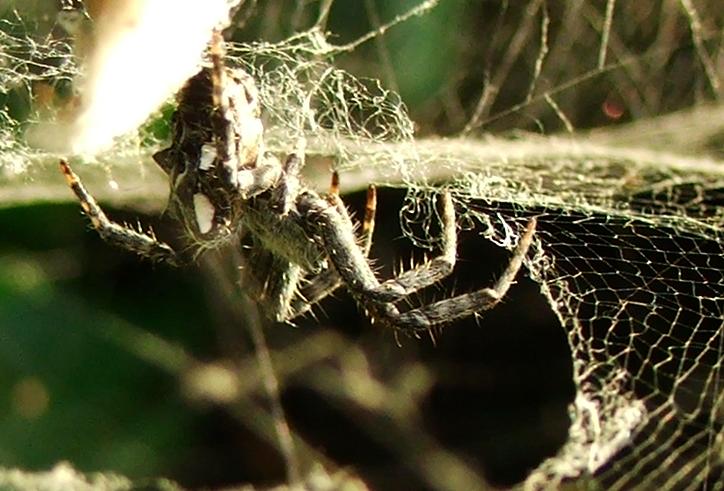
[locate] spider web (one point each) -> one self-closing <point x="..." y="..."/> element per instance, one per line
<point x="628" y="250"/>
<point x="25" y="62"/>
<point x="634" y="274"/>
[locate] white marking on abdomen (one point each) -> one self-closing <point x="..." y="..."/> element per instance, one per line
<point x="208" y="155"/>
<point x="204" y="212"/>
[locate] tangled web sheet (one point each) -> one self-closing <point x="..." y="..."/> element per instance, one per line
<point x="628" y="249"/>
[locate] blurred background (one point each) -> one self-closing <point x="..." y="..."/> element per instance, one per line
<point x="112" y="363"/>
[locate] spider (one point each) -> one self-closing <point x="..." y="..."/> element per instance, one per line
<point x="223" y="183"/>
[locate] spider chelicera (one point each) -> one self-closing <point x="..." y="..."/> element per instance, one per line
<point x="224" y="184"/>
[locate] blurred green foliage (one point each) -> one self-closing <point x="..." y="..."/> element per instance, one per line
<point x="71" y="389"/>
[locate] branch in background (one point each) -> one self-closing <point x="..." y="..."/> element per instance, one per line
<point x="695" y="131"/>
<point x="142" y="186"/>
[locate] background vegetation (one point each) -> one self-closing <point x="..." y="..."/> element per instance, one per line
<point x="112" y="363"/>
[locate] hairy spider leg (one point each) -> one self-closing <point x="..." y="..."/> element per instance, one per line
<point x="143" y="244"/>
<point x="281" y="287"/>
<point x="368" y="224"/>
<point x="325" y="283"/>
<point x="379" y="298"/>
<point x="352" y="264"/>
<point x="445" y="311"/>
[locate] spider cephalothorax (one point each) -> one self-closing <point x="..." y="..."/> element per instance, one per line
<point x="223" y="183"/>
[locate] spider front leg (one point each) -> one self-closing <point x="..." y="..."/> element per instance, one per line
<point x="445" y="311"/>
<point x="116" y="234"/>
<point x="434" y="270"/>
<point x="379" y="298"/>
<point x="351" y="263"/>
<point x="326" y="282"/>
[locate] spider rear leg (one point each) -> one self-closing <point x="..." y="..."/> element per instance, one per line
<point x="452" y="309"/>
<point x="116" y="234"/>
